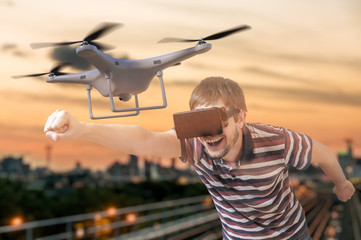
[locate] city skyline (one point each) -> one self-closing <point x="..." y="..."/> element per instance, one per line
<point x="299" y="67"/>
<point x="135" y="170"/>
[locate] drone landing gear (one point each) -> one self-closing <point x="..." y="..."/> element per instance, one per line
<point x="136" y="110"/>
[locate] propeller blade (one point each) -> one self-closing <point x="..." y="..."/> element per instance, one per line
<point x="29" y="75"/>
<point x="105" y="27"/>
<point x="226" y="33"/>
<point x="170" y="39"/>
<point x="60" y="73"/>
<point x="44" y="45"/>
<point x="210" y="37"/>
<point x="102" y="46"/>
<point x="55" y="71"/>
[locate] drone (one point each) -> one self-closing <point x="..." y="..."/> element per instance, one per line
<point x="123" y="78"/>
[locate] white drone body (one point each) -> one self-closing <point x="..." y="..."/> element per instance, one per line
<point x="123" y="78"/>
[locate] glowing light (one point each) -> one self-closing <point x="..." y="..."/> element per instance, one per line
<point x="182" y="180"/>
<point x="97" y="217"/>
<point x="131" y="217"/>
<point x="207" y="201"/>
<point x="112" y="211"/>
<point x="79" y="233"/>
<point x="16" y="221"/>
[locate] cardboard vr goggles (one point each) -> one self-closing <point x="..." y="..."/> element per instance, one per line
<point x="201" y="123"/>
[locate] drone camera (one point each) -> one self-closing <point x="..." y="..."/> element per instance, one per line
<point x="125" y="97"/>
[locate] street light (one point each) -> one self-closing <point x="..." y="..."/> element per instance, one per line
<point x="112" y="211"/>
<point x="131" y="218"/>
<point x="16" y="221"/>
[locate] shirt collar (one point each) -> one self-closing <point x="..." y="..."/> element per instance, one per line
<point x="246" y="155"/>
<point x="247" y="144"/>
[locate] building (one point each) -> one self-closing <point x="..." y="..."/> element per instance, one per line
<point x="14" y="168"/>
<point x="349" y="163"/>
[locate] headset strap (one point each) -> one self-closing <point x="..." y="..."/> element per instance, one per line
<point x="184" y="150"/>
<point x="230" y="113"/>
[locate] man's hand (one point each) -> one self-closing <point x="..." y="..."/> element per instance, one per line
<point x="344" y="191"/>
<point x="62" y="126"/>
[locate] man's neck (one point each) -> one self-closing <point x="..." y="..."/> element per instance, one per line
<point x="235" y="154"/>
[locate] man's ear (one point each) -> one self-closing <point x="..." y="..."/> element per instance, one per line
<point x="241" y="118"/>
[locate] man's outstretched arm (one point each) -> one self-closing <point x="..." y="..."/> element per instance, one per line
<point x="323" y="157"/>
<point x="129" y="139"/>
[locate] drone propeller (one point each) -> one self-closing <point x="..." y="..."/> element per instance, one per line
<point x="99" y="32"/>
<point x="55" y="71"/>
<point x="210" y="37"/>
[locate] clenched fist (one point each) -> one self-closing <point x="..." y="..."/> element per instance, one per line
<point x="344" y="191"/>
<point x="62" y="126"/>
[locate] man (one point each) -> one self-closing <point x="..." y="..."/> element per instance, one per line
<point x="245" y="168"/>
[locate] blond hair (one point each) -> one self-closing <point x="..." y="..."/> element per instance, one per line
<point x="211" y="89"/>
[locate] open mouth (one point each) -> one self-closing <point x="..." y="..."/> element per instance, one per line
<point x="214" y="142"/>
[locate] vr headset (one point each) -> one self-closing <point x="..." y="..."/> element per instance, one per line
<point x="201" y="123"/>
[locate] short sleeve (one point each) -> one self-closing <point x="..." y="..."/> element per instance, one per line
<point x="298" y="149"/>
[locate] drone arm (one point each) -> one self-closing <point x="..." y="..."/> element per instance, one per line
<point x="175" y="58"/>
<point x="77" y="78"/>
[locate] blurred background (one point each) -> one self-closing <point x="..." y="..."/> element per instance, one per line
<point x="299" y="66"/>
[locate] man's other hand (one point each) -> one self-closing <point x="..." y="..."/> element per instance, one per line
<point x="344" y="191"/>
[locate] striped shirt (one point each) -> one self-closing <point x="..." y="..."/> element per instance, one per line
<point x="254" y="199"/>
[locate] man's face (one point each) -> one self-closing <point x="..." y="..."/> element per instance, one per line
<point x="227" y="145"/>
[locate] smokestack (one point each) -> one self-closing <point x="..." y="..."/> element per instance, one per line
<point x="48" y="148"/>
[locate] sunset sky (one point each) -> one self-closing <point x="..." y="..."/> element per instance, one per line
<point x="299" y="66"/>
